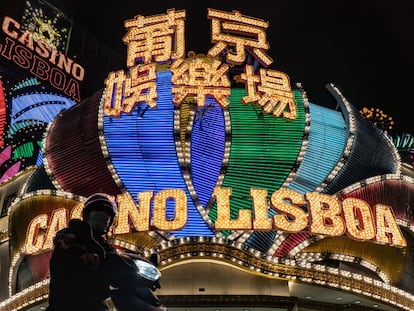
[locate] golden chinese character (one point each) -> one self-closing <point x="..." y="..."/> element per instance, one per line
<point x="273" y="92"/>
<point x="200" y="78"/>
<point x="158" y="37"/>
<point x="123" y="93"/>
<point x="239" y="32"/>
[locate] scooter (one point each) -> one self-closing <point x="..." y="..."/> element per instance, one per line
<point x="133" y="280"/>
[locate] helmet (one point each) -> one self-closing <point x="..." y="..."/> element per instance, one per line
<point x="100" y="202"/>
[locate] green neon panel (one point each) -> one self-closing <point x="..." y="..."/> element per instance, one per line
<point x="263" y="150"/>
<point x="24" y="151"/>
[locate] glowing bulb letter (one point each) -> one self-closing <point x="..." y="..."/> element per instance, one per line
<point x="261" y="221"/>
<point x="58" y="221"/>
<point x="325" y="215"/>
<point x="293" y="218"/>
<point x="76" y="211"/>
<point x="388" y="232"/>
<point x="224" y="221"/>
<point x="358" y="219"/>
<point x="160" y="210"/>
<point x="34" y="240"/>
<point x="140" y="217"/>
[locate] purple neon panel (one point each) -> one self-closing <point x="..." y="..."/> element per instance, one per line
<point x="207" y="149"/>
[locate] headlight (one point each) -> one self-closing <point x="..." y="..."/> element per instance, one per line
<point x="147" y="270"/>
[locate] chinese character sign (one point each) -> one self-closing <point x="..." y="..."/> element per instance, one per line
<point x="240" y="33"/>
<point x="156" y="38"/>
<point x="271" y="90"/>
<point x="199" y="78"/>
<point x="124" y="92"/>
<point x="159" y="40"/>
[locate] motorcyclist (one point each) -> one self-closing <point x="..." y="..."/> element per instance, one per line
<point x="77" y="276"/>
<point x="86" y="270"/>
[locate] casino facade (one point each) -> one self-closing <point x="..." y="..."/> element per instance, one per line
<point x="254" y="197"/>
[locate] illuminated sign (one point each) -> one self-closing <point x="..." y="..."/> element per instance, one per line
<point x="42" y="60"/>
<point x="325" y="216"/>
<point x="160" y="39"/>
<point x="46" y="22"/>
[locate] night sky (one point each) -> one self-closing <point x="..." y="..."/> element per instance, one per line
<point x="363" y="47"/>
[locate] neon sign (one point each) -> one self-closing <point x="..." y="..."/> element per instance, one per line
<point x="325" y="216"/>
<point x="160" y="39"/>
<point x="42" y="60"/>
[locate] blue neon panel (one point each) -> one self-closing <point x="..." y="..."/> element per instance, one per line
<point x="38" y="106"/>
<point x="142" y="150"/>
<point x="207" y="149"/>
<point x="327" y="139"/>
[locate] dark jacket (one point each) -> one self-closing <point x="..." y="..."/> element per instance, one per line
<point x="85" y="270"/>
<point x="77" y="276"/>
